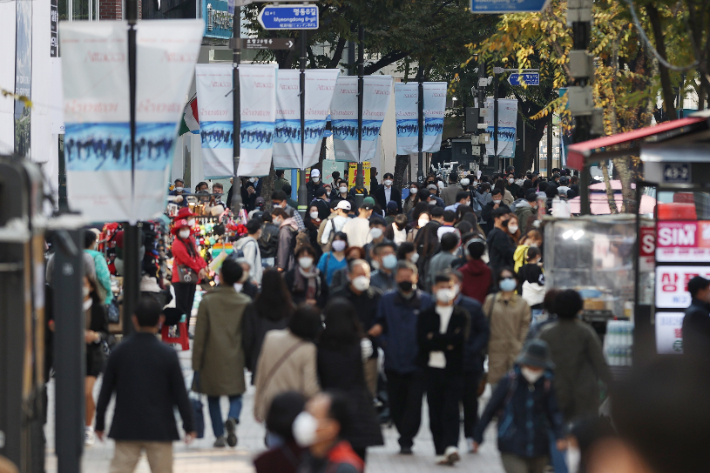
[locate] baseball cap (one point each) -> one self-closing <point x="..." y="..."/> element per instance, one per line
<point x="696" y="284"/>
<point x="343" y="204"/>
<point x="367" y="205"/>
<point x="320" y="191"/>
<point x="392" y="205"/>
<point x="315" y="173"/>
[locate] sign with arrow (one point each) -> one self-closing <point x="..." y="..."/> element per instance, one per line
<point x="285" y="17"/>
<point x="524" y="78"/>
<point x="263" y="43"/>
<point x="507" y="6"/>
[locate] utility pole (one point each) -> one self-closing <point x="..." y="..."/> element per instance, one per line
<point x="302" y="190"/>
<point x="236" y="109"/>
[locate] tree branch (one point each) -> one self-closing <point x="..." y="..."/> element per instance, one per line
<point x="337" y="55"/>
<point x="386" y="60"/>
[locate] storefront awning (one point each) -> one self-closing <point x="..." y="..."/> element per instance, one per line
<point x="593" y="151"/>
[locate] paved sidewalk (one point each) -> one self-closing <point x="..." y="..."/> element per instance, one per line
<point x="200" y="457"/>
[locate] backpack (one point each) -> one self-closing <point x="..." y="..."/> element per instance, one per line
<point x="268" y="243"/>
<point x="327" y="246"/>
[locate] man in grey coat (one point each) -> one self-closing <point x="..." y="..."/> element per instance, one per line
<point x="218" y="354"/>
<point x="443" y="259"/>
<point x="449" y="192"/>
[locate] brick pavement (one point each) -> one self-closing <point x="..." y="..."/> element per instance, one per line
<point x="200" y="457"/>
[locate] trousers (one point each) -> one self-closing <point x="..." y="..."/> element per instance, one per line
<point x="515" y="464"/>
<point x="126" y="456"/>
<point x="235" y="409"/>
<point x="444" y="392"/>
<point x="184" y="298"/>
<point x="370" y="368"/>
<point x="471" y="380"/>
<point x="405" y="392"/>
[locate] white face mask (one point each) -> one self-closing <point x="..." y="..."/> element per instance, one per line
<point x="87" y="304"/>
<point x="414" y="258"/>
<point x="314" y="215"/>
<point x="422" y="221"/>
<point x="496" y="201"/>
<point x="305" y="262"/>
<point x="533" y="245"/>
<point x="388" y="183"/>
<point x="185" y="233"/>
<point x="574" y="458"/>
<point x="414" y="190"/>
<point x="253" y="179"/>
<point x="468" y="203"/>
<point x="432" y="202"/>
<point x="361" y="283"/>
<point x="512" y="228"/>
<point x="304" y="429"/>
<point x="444" y="295"/>
<point x="531" y="375"/>
<point x="179" y="189"/>
<point x="316" y="179"/>
<point x="343" y="189"/>
<point x="339" y="245"/>
<point x="238" y="286"/>
<point x="375" y="233"/>
<point x="191" y="222"/>
<point x="465" y="182"/>
<point x="277" y="221"/>
<point x="511" y="180"/>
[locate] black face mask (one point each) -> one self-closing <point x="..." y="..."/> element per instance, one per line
<point x="405" y="286"/>
<point x="504" y="223"/>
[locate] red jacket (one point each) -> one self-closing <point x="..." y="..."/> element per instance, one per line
<point x="182" y="257"/>
<point x="344" y="453"/>
<point x="477" y="280"/>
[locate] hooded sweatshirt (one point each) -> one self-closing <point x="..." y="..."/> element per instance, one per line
<point x="477" y="280"/>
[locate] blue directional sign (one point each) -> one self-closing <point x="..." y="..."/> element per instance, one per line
<point x="285" y="17"/>
<point x="507" y="6"/>
<point x="525" y="78"/>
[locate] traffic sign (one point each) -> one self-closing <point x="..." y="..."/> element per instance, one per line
<point x="263" y="43"/>
<point x="285" y="17"/>
<point x="507" y="6"/>
<point x="525" y="78"/>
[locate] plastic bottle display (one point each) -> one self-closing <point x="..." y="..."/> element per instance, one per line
<point x="618" y="342"/>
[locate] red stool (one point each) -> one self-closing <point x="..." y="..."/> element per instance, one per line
<point x="183" y="339"/>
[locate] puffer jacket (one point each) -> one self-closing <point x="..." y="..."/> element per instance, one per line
<point x="509" y="323"/>
<point x="526" y="414"/>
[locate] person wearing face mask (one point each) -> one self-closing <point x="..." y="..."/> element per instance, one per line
<point x="526" y="406"/>
<point x="495" y="204"/>
<point x="421" y="215"/>
<point x="189" y="268"/>
<point x="501" y="248"/>
<point x="462" y="198"/>
<point x="378" y="226"/>
<point x="509" y="319"/>
<point x="322" y="429"/>
<point x="365" y="298"/>
<point x="450" y="193"/>
<point x="249" y="246"/>
<point x="285" y="455"/>
<point x="411" y="199"/>
<point x="512" y="186"/>
<point x="477" y="276"/>
<point x="179" y="193"/>
<point x="305" y="281"/>
<point x="442" y="331"/>
<point x="245" y="285"/>
<point x="396" y="231"/>
<point x="218" y="353"/>
<point x="288" y="229"/>
<point x="396" y="324"/>
<point x="358" y="229"/>
<point x="340" y="190"/>
<point x="279" y="200"/>
<point x="320" y="202"/>
<point x="526" y="209"/>
<point x="387" y="193"/>
<point x="334" y="260"/>
<point x="384" y="261"/>
<point x="313" y="223"/>
<point x="406" y="252"/>
<point x="333" y="224"/>
<point x="443" y="259"/>
<point x="314" y="183"/>
<point x="508" y="198"/>
<point x="532" y="280"/>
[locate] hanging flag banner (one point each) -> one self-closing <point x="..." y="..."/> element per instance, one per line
<point x="287" y="135"/>
<point x="376" y="93"/>
<point x="97" y="138"/>
<point x="320" y="86"/>
<point x="434" y="108"/>
<point x="164" y="49"/>
<point x="507" y="125"/>
<point x="214" y="105"/>
<point x="406" y="115"/>
<point x="257" y="84"/>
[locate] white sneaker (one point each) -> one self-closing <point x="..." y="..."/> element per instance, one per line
<point x="469" y="444"/>
<point x="89" y="436"/>
<point x="452" y="455"/>
<point x="441" y="460"/>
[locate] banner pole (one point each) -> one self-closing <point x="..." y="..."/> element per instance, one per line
<point x="236" y="111"/>
<point x="359" y="174"/>
<point x="302" y="191"/>
<point x="420" y="127"/>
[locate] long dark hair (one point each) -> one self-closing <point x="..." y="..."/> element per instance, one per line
<point x="342" y="326"/>
<point x="274" y="300"/>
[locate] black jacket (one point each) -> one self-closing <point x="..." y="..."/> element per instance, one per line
<point x="323" y="209"/>
<point x="299" y="297"/>
<point x="451" y="343"/>
<point x="254" y="330"/>
<point x="474" y="351"/>
<point x="147" y="378"/>
<point x="486" y="215"/>
<point x="501" y="250"/>
<point x="366" y="305"/>
<point x="342" y="369"/>
<point x="269" y="241"/>
<point x="696" y="330"/>
<point x="380" y="198"/>
<point x="311" y="188"/>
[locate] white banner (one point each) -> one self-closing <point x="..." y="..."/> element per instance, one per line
<point x="434" y="108"/>
<point x="672" y="285"/>
<point x="320" y="85"/>
<point x="167" y="49"/>
<point x="376" y="96"/>
<point x="96" y="113"/>
<point x="669" y="333"/>
<point x="287" y="137"/>
<point x="406" y="114"/>
<point x="257" y="85"/>
<point x="507" y="125"/>
<point x="214" y="102"/>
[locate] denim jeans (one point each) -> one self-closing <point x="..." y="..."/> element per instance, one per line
<point x="558" y="457"/>
<point x="235" y="408"/>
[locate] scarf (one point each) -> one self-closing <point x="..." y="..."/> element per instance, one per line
<point x="306" y="281"/>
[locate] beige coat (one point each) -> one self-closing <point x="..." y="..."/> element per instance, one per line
<point x="509" y="324"/>
<point x="296" y="372"/>
<point x="217" y="352"/>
